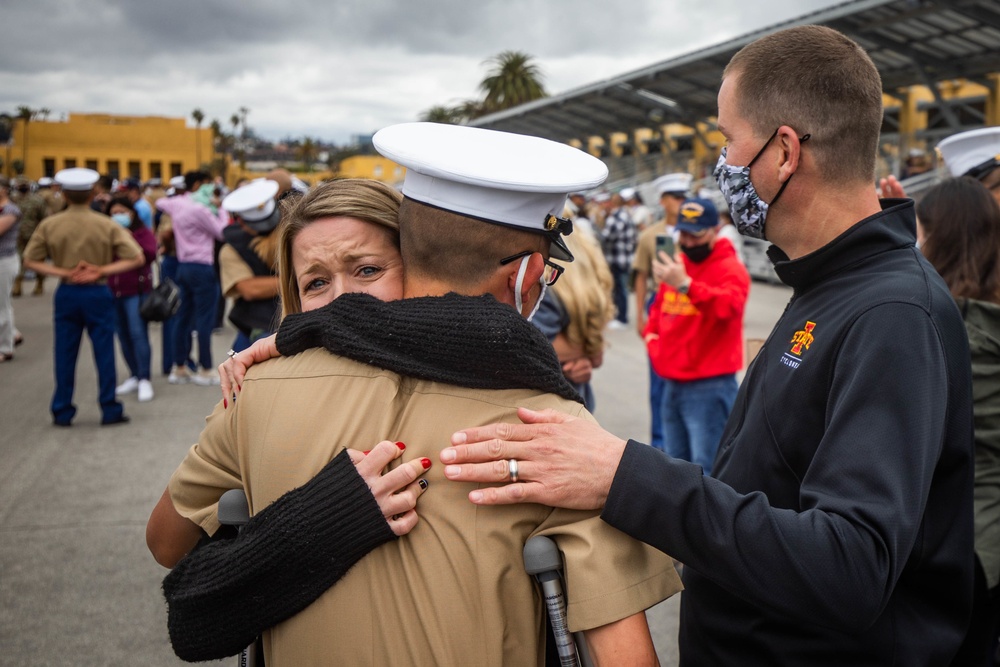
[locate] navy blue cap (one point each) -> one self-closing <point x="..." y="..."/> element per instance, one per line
<point x="697" y="215"/>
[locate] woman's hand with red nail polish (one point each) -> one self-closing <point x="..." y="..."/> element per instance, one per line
<point x="396" y="491"/>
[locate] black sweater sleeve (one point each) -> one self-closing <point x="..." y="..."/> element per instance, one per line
<point x="222" y="595"/>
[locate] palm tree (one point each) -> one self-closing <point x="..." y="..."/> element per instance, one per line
<point x="513" y="80"/>
<point x="234" y="120"/>
<point x="199" y="116"/>
<point x="440" y="114"/>
<point x="26" y="114"/>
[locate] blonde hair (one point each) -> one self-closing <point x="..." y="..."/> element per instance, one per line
<point x="359" y="198"/>
<point x="585" y="292"/>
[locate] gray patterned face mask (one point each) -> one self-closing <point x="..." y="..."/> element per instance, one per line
<point x="749" y="211"/>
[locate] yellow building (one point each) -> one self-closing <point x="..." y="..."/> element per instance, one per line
<point x="374" y="167"/>
<point x="142" y="147"/>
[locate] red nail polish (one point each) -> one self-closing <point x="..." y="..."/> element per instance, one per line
<point x="225" y="404"/>
<point x="401" y="445"/>
<point x="366" y="452"/>
<point x="426" y="463"/>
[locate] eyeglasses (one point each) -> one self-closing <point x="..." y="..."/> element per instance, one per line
<point x="552" y="271"/>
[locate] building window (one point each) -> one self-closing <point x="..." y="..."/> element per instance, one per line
<point x="134" y="169"/>
<point x="69" y="163"/>
<point x="113" y="169"/>
<point x="92" y="164"/>
<point x="378" y="171"/>
<point x="175" y="169"/>
<point x="156" y="170"/>
<point x="49" y="166"/>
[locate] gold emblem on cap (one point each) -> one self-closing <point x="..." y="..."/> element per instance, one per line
<point x="692" y="210"/>
<point x="551" y="222"/>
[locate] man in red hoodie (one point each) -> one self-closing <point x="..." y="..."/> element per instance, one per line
<point x="695" y="334"/>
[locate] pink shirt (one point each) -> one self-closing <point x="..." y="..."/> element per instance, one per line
<point x="195" y="228"/>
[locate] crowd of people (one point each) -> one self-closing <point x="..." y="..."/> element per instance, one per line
<point x="837" y="507"/>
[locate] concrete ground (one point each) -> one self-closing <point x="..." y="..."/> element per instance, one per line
<point x="77" y="585"/>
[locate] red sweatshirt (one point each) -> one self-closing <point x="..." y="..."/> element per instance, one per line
<point x="701" y="335"/>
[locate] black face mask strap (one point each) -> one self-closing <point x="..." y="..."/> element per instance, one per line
<point x="804" y="138"/>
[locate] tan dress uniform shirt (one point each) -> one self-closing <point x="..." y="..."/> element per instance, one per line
<point x="453" y="591"/>
<point x="232" y="270"/>
<point x="645" y="250"/>
<point x="80" y="234"/>
<point x="54" y="201"/>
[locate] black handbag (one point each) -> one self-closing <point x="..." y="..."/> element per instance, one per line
<point x="162" y="303"/>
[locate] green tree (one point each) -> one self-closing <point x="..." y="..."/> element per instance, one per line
<point x="440" y="114"/>
<point x="199" y="116"/>
<point x="514" y="79"/>
<point x="18" y="166"/>
<point x="26" y="114"/>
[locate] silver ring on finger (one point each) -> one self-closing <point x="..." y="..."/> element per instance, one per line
<point x="512" y="467"/>
<point x="231" y="354"/>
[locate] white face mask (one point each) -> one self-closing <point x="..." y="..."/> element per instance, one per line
<point x="520" y="282"/>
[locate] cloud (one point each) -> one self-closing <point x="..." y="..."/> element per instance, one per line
<point x="333" y="69"/>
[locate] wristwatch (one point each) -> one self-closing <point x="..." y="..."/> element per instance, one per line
<point x="683" y="289"/>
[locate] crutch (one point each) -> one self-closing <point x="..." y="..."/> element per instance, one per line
<point x="234" y="510"/>
<point x="543" y="560"/>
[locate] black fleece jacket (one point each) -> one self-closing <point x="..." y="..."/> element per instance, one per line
<point x="838" y="529"/>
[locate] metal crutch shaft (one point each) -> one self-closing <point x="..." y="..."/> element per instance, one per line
<point x="543" y="560"/>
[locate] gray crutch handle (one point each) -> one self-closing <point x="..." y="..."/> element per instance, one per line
<point x="234" y="510"/>
<point x="543" y="560"/>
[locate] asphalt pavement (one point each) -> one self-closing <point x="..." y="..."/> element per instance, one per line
<point x="77" y="584"/>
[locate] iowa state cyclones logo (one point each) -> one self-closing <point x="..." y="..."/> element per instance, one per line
<point x="803" y="338"/>
<point x="801" y="341"/>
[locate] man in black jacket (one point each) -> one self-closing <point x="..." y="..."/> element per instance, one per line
<point x="838" y="529"/>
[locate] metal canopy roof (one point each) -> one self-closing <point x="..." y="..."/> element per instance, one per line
<point x="911" y="42"/>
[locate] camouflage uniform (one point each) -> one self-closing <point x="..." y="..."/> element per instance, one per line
<point x="33" y="210"/>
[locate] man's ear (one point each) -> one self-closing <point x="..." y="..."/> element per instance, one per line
<point x="536" y="265"/>
<point x="791" y="150"/>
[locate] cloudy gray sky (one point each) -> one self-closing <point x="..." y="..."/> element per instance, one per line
<point x="335" y="68"/>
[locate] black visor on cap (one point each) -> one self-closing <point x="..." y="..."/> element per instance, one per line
<point x="268" y="224"/>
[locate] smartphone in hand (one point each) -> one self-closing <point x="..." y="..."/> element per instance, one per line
<point x="664" y="242"/>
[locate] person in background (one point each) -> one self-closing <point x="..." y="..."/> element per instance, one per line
<point x="163" y="226"/>
<point x="33" y="211"/>
<point x="975" y="154"/>
<point x="52" y="193"/>
<point x="248" y="261"/>
<point x="133" y="190"/>
<point x="958" y="225"/>
<point x="618" y="238"/>
<point x="195" y="231"/>
<point x="637" y="209"/>
<point x="695" y="334"/>
<point x="10" y="218"/>
<point x="102" y="193"/>
<point x="575" y="311"/>
<point x="673" y="189"/>
<point x="128" y="288"/>
<point x="85" y="248"/>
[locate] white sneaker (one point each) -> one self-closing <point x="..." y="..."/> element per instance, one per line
<point x="179" y="375"/>
<point x="616" y="324"/>
<point x="205" y="378"/>
<point x="145" y="391"/>
<point x="127" y="387"/>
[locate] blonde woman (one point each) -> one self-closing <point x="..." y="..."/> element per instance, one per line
<point x="574" y="313"/>
<point x="341" y="237"/>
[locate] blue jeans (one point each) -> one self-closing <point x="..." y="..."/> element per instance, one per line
<point x="133" y="335"/>
<point x="199" y="297"/>
<point x="619" y="294"/>
<point x="655" y="395"/>
<point x="168" y="269"/>
<point x="75" y="308"/>
<point x="694" y="416"/>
